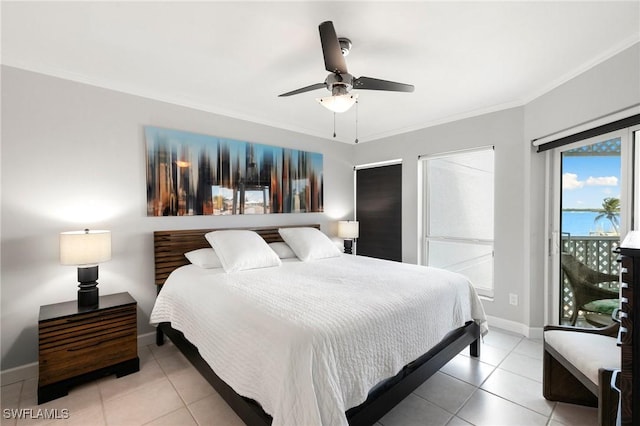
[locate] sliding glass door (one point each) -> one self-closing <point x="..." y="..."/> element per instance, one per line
<point x="592" y="193"/>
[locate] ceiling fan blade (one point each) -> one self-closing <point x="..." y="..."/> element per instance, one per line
<point x="333" y="59"/>
<point x="305" y="89"/>
<point x="369" y="83"/>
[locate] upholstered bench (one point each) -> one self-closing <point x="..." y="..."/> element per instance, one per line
<point x="577" y="367"/>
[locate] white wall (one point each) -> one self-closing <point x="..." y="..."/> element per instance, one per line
<point x="73" y="157"/>
<point x="504" y="131"/>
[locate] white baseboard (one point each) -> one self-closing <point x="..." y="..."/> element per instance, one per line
<point x="514" y="327"/>
<point x="17" y="374"/>
<point x="30" y="371"/>
<point x="146" y="339"/>
<point x="535" y="332"/>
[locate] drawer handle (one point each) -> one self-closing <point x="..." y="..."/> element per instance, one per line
<point x="79" y="348"/>
<point x="102" y="316"/>
<point x="615" y="315"/>
<point x="618" y="314"/>
<point x="93" y="319"/>
<point x="623" y="330"/>
<point x="614" y="379"/>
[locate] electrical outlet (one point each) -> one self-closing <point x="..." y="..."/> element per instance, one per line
<point x="513" y="299"/>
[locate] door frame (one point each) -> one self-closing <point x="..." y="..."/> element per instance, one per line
<point x="373" y="165"/>
<point x="553" y="205"/>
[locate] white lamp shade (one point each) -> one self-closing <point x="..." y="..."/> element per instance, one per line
<point x="85" y="247"/>
<point x="340" y="103"/>
<point x="348" y="229"/>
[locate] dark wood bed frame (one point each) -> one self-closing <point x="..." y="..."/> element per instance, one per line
<point x="169" y="249"/>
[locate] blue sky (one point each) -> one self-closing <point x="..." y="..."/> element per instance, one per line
<point x="587" y="180"/>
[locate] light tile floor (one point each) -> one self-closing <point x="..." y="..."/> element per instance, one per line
<point x="503" y="387"/>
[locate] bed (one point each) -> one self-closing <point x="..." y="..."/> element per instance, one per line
<point x="331" y="340"/>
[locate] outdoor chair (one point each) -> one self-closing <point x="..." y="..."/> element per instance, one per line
<point x="587" y="295"/>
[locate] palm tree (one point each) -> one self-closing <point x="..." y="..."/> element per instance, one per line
<point x="610" y="211"/>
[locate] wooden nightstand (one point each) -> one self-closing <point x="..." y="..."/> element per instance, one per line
<point x="79" y="345"/>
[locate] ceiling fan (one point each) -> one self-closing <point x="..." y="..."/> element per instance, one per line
<point x="340" y="82"/>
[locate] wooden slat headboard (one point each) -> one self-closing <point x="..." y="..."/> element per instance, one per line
<point x="169" y="247"/>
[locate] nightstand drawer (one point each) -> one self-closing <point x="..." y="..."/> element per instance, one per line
<point x="83" y="356"/>
<point x="59" y="334"/>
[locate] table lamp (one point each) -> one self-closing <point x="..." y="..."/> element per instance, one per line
<point x="86" y="249"/>
<point x="348" y="229"/>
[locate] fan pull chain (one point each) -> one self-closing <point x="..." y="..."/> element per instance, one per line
<point x="356" y="120"/>
<point x="334" y="124"/>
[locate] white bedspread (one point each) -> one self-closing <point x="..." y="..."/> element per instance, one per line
<point x="308" y="340"/>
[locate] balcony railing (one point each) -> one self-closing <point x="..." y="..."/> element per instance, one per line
<point x="597" y="252"/>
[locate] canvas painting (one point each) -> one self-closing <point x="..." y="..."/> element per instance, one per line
<point x="193" y="174"/>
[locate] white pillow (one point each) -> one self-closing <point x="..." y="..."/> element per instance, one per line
<point x="204" y="258"/>
<point x="309" y="243"/>
<point x="239" y="250"/>
<point x="282" y="250"/>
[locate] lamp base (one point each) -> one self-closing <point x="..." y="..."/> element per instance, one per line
<point x="88" y="287"/>
<point x="348" y="246"/>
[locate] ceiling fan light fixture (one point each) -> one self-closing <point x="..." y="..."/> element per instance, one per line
<point x="339" y="103"/>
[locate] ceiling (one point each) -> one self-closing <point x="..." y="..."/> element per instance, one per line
<point x="234" y="58"/>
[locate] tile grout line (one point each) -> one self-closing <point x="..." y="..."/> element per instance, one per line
<point x="550" y="415"/>
<point x="184" y="403"/>
<point x="102" y="405"/>
<point x="479" y="387"/>
<point x="15" y="423"/>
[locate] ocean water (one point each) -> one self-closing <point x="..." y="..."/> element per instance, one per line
<point x="583" y="223"/>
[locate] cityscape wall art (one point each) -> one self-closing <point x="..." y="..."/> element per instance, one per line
<point x="193" y="174"/>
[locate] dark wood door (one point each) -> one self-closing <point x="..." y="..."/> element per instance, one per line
<point x="379" y="211"/>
